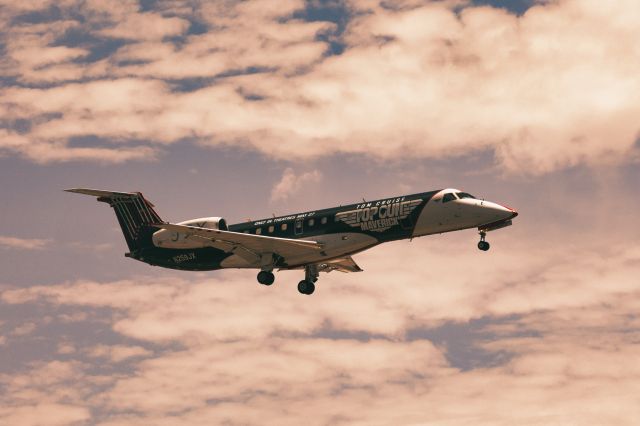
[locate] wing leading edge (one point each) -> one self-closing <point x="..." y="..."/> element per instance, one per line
<point x="255" y="246"/>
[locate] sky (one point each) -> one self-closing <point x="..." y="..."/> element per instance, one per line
<point x="244" y="109"/>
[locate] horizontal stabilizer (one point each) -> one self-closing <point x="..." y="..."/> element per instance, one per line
<point x="106" y="194"/>
<point x="133" y="211"/>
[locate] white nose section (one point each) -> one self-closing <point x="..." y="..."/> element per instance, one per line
<point x="497" y="212"/>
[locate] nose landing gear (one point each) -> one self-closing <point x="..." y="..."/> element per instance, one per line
<point x="483" y="245"/>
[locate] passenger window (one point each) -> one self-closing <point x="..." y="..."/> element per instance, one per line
<point x="258" y="231"/>
<point x="323" y="221"/>
<point x="271" y="228"/>
<point x="283" y="227"/>
<point x="448" y="197"/>
<point x="312" y="222"/>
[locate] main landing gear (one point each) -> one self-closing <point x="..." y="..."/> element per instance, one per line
<point x="483" y="245"/>
<point x="266" y="277"/>
<point x="307" y="286"/>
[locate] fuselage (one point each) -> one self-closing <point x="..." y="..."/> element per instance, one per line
<point x="342" y="230"/>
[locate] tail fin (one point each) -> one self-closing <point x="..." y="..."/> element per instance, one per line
<point x="133" y="211"/>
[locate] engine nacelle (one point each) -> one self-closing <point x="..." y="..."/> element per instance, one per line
<point x="177" y="240"/>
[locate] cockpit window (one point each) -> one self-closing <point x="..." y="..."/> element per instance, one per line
<point x="462" y="195"/>
<point x="448" y="197"/>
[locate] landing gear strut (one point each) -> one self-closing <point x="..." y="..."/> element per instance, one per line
<point x="307" y="286"/>
<point x="266" y="277"/>
<point x="483" y="245"/>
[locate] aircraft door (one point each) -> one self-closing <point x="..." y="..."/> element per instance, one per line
<point x="298" y="227"/>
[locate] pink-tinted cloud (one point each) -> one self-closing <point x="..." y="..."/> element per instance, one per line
<point x="290" y="183"/>
<point x="16" y="243"/>
<point x="117" y="353"/>
<point x="552" y="88"/>
<point x="246" y="351"/>
<point x="146" y="26"/>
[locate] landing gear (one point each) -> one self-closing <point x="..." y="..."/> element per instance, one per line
<point x="483" y="245"/>
<point x="307" y="286"/>
<point x="266" y="277"/>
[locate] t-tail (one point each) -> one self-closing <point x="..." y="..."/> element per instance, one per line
<point x="135" y="215"/>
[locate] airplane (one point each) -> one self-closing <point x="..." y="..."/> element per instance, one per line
<point x="314" y="241"/>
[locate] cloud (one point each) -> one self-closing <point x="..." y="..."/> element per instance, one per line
<point x="550" y="326"/>
<point x="146" y="26"/>
<point x="16" y="243"/>
<point x="41" y="414"/>
<point x="290" y="183"/>
<point x="248" y="379"/>
<point x="41" y="395"/>
<point x="118" y="353"/>
<point x="553" y="277"/>
<point x="24" y="329"/>
<point x="550" y="89"/>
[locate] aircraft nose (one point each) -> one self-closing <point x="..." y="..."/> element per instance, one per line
<point x="498" y="211"/>
<point x="506" y="212"/>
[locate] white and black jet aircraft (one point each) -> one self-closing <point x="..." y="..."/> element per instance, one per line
<point x="316" y="241"/>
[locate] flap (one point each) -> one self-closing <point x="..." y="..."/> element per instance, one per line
<point x="343" y="264"/>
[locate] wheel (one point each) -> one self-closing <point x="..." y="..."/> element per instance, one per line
<point x="266" y="277"/>
<point x="306" y="287"/>
<point x="483" y="245"/>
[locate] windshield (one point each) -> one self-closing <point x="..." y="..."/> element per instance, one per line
<point x="448" y="197"/>
<point x="464" y="195"/>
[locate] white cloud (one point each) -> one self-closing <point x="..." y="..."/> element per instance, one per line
<point x="66" y="348"/>
<point x="24" y="329"/>
<point x="146" y="26"/>
<point x="552" y="88"/>
<point x="44" y="414"/>
<point x="555" y="277"/>
<point x="23" y="243"/>
<point x="562" y="316"/>
<point x="118" y="353"/>
<point x="290" y="183"/>
<point x="42" y="394"/>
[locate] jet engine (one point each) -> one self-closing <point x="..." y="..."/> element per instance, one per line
<point x="169" y="239"/>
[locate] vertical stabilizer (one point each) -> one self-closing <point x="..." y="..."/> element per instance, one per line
<point x="133" y="211"/>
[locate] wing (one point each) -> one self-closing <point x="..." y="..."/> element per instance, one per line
<point x="248" y="246"/>
<point x="343" y="264"/>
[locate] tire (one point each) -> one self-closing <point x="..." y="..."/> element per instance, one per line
<point x="483" y="245"/>
<point x="266" y="277"/>
<point x="306" y="287"/>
